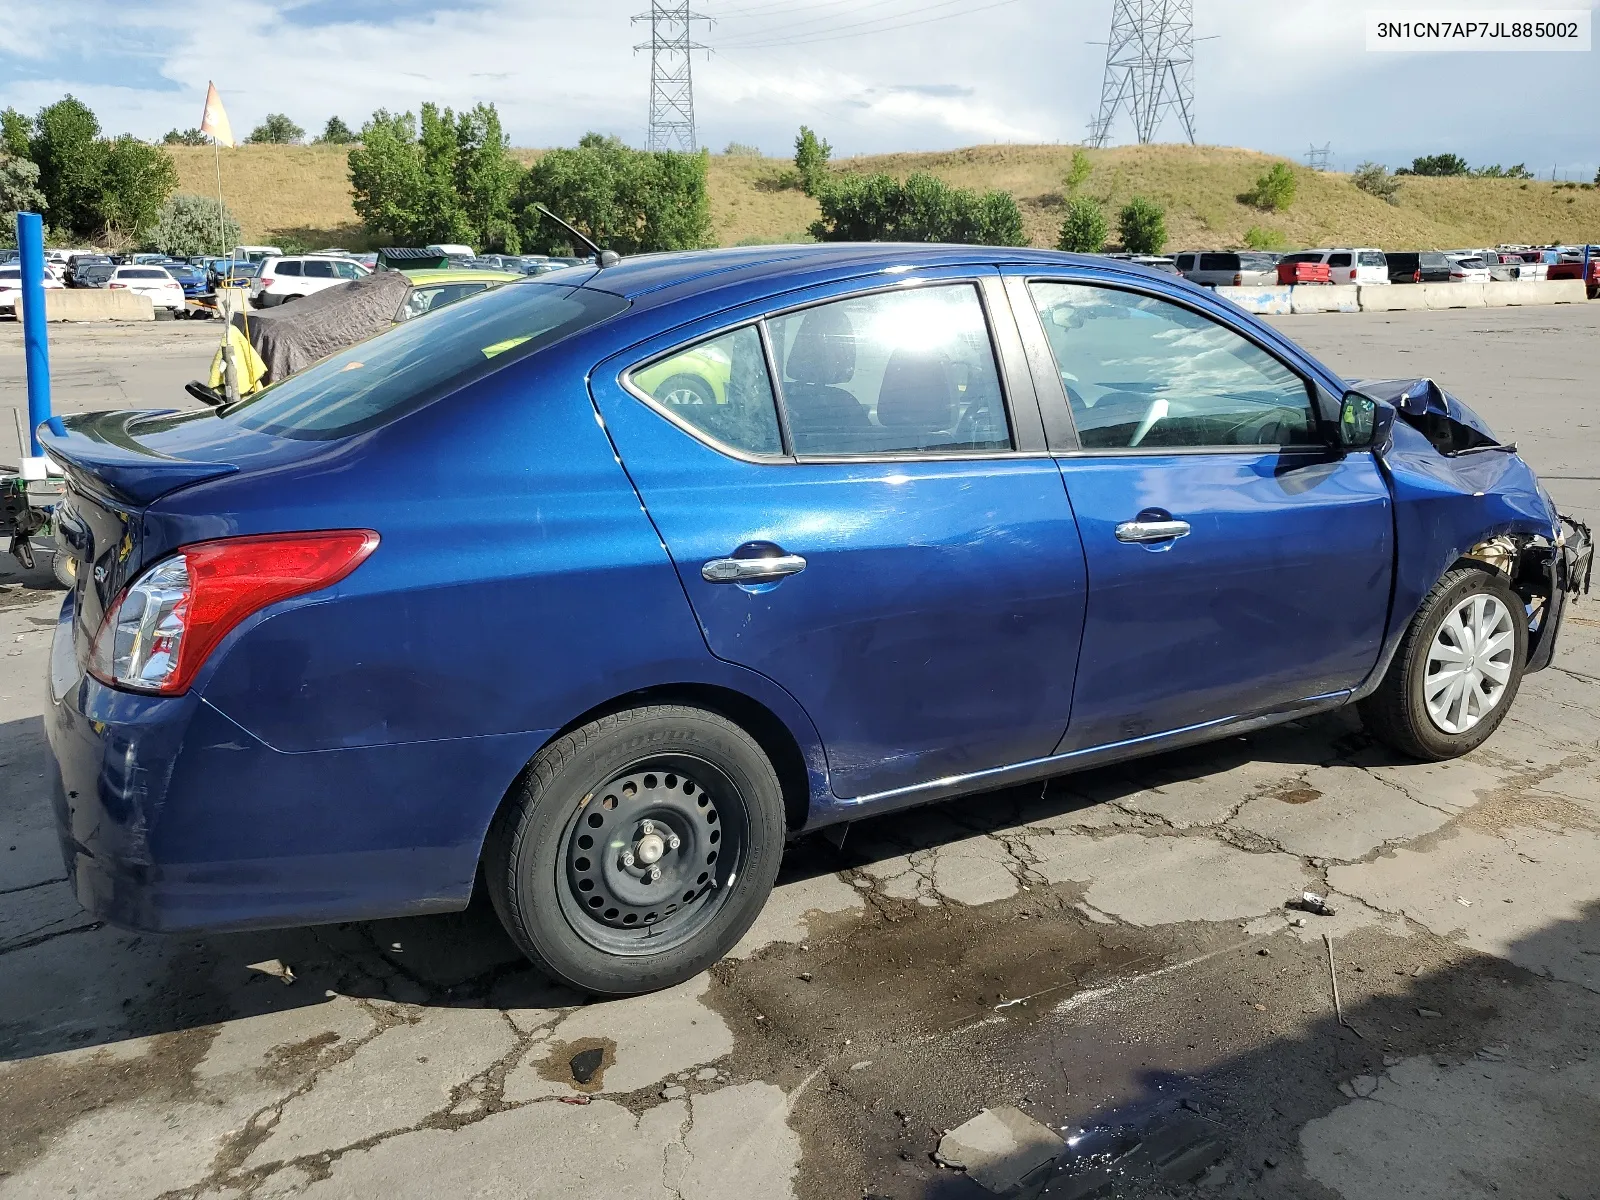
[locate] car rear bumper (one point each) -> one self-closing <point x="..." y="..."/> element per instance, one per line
<point x="172" y="817"/>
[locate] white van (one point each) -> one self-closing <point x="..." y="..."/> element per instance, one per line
<point x="452" y="250"/>
<point x="254" y="254"/>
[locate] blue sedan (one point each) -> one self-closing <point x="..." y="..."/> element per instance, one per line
<point x="603" y="585"/>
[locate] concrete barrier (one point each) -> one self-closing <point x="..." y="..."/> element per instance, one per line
<point x="1321" y="298"/>
<point x="94" y="304"/>
<point x="1452" y="295"/>
<point x="1394" y="297"/>
<point x="1264" y="301"/>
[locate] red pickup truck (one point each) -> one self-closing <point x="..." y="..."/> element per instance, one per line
<point x="1572" y="267"/>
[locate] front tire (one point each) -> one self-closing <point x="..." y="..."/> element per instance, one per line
<point x="1457" y="671"/>
<point x="637" y="850"/>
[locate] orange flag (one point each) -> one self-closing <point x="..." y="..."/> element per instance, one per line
<point x="215" y="122"/>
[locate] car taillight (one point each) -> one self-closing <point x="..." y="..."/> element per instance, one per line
<point x="1416" y="276"/>
<point x="160" y="630"/>
<point x="268" y="280"/>
<point x="1238" y="280"/>
<point x="118" y="285"/>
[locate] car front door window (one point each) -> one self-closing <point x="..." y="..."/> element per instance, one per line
<point x="1142" y="372"/>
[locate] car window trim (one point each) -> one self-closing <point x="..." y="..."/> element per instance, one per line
<point x="1058" y="395"/>
<point x="1040" y="450"/>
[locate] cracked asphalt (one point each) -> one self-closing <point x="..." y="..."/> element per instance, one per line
<point x="1108" y="953"/>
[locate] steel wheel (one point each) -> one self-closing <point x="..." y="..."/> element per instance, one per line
<point x="1469" y="663"/>
<point x="649" y="858"/>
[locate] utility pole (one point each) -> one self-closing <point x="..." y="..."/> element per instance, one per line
<point x="1317" y="157"/>
<point x="1149" y="68"/>
<point x="671" y="82"/>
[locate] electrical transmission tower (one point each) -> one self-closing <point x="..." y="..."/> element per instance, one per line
<point x="1317" y="156"/>
<point x="671" y="82"/>
<point x="1149" y="68"/>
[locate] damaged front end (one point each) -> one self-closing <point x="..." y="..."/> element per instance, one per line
<point x="1462" y="495"/>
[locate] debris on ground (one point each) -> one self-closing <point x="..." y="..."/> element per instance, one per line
<point x="999" y="1148"/>
<point x="1312" y="903"/>
<point x="573" y="1099"/>
<point x="585" y="1063"/>
<point x="1431" y="1014"/>
<point x="274" y="968"/>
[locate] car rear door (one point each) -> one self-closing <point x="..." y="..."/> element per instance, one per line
<point x="1237" y="565"/>
<point x="891" y="542"/>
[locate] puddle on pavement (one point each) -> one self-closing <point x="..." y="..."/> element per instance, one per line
<point x="580" y="1064"/>
<point x="1295" y="792"/>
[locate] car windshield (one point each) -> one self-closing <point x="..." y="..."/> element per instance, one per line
<point x="420" y="360"/>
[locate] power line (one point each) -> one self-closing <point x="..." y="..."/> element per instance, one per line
<point x="1149" y="68"/>
<point x="830" y="37"/>
<point x="814" y="20"/>
<point x="671" y="80"/>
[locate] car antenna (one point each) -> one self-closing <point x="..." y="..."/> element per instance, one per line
<point x="602" y="258"/>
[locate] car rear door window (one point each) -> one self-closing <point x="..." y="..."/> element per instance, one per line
<point x="348" y="270"/>
<point x="317" y="268"/>
<point x="720" y="389"/>
<point x="288" y="266"/>
<point x="910" y="371"/>
<point x="1143" y="373"/>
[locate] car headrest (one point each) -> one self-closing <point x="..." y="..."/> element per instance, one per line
<point x="917" y="393"/>
<point x="824" y="350"/>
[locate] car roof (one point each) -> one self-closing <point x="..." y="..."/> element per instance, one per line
<point x="642" y="275"/>
<point x="461" y="275"/>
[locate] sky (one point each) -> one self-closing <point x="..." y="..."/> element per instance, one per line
<point x="870" y="75"/>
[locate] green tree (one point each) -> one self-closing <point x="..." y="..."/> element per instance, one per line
<point x="71" y="160"/>
<point x="16" y="131"/>
<point x="19" y="192"/>
<point x="1078" y="173"/>
<point x="136" y="179"/>
<point x="443" y="179"/>
<point x="277" y="129"/>
<point x="1374" y="179"/>
<point x="336" y="133"/>
<point x="1517" y="171"/>
<point x="1275" y="189"/>
<point x="1436" y="164"/>
<point x="862" y="208"/>
<point x="1257" y="238"/>
<point x="1143" y="226"/>
<point x="190" y="225"/>
<point x="186" y="137"/>
<point x="1084" y="230"/>
<point x="811" y="156"/>
<point x="630" y="201"/>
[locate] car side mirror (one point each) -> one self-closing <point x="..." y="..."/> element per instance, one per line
<point x="1365" y="423"/>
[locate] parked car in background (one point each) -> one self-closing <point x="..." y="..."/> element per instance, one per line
<point x="433" y="289"/>
<point x="78" y="262"/>
<point x="451" y="250"/>
<point x="1571" y="265"/>
<point x="1467" y="268"/>
<point x="1366" y="266"/>
<point x="229" y="272"/>
<point x="255" y="254"/>
<point x="369" y="259"/>
<point x="94" y="275"/>
<point x="281" y="280"/>
<point x="1417" y="266"/>
<point x="1228" y="268"/>
<point x="191" y="278"/>
<point x="11" y="286"/>
<point x="164" y="291"/>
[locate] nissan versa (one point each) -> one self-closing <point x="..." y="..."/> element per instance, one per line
<point x="602" y="585"/>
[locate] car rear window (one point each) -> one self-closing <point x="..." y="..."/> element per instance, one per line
<point x="142" y="273"/>
<point x="1371" y="258"/>
<point x="1306" y="256"/>
<point x="416" y="362"/>
<point x="1472" y="264"/>
<point x="1219" y="262"/>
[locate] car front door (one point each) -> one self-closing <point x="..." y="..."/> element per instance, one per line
<point x="1237" y="564"/>
<point x="860" y="504"/>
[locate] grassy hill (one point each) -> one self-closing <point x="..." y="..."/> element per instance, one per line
<point x="302" y="192"/>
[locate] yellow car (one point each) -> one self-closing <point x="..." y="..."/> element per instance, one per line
<point x="696" y="376"/>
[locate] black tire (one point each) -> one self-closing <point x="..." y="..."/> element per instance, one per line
<point x="694" y="774"/>
<point x="1397" y="712"/>
<point x="61" y="567"/>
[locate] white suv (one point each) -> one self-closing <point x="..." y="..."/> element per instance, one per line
<point x="1366" y="265"/>
<point x="164" y="291"/>
<point x="283" y="279"/>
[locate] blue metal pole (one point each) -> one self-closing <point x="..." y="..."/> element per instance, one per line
<point x="35" y="345"/>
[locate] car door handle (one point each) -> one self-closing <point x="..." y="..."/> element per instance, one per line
<point x="752" y="570"/>
<point x="1144" y="532"/>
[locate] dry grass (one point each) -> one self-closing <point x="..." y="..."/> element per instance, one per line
<point x="302" y="192"/>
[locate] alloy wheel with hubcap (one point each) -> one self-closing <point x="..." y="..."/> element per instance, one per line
<point x="1469" y="663"/>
